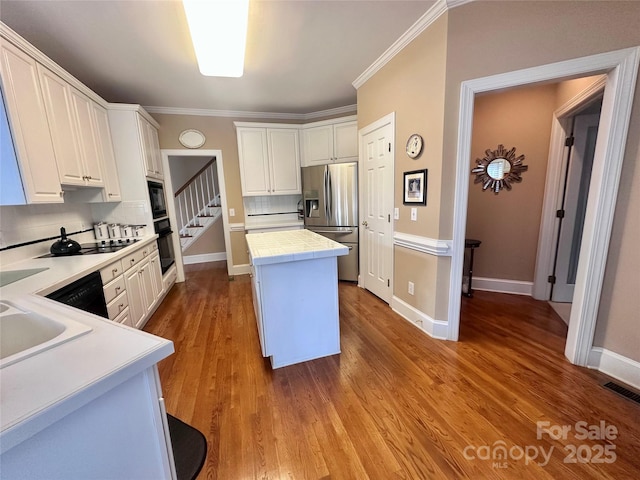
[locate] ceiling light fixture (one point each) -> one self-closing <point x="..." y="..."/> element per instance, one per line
<point x="219" y="35"/>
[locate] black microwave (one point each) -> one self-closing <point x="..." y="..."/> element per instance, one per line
<point x="157" y="199"/>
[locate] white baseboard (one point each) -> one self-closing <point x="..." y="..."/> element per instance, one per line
<point x="434" y="328"/>
<point x="615" y="365"/>
<point x="499" y="285"/>
<point x="244" y="269"/>
<point x="204" y="258"/>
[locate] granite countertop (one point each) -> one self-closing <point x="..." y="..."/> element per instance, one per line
<point x="291" y="246"/>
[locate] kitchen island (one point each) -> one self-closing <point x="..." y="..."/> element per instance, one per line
<point x="295" y="294"/>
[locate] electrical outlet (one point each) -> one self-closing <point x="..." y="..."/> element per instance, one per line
<point x="410" y="288"/>
<point x="232" y="212"/>
<point x="414" y="214"/>
<point x="396" y="213"/>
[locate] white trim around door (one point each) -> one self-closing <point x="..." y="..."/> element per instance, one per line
<point x="621" y="68"/>
<point x="560" y="130"/>
<point x="185" y="152"/>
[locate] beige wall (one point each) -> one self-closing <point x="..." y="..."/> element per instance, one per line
<point x="508" y="223"/>
<point x="528" y="34"/>
<point x="183" y="168"/>
<point x="220" y="134"/>
<point x="211" y="241"/>
<point x="537" y="33"/>
<point x="412" y="86"/>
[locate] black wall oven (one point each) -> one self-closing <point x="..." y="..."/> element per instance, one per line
<point x="165" y="243"/>
<point x="157" y="199"/>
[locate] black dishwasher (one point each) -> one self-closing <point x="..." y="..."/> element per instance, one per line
<point x="86" y="294"/>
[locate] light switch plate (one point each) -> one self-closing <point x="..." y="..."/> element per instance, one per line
<point x="414" y="214"/>
<point x="232" y="212"/>
<point x="396" y="213"/>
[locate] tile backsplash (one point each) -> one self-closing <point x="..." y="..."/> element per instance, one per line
<point x="271" y="204"/>
<point x="26" y="223"/>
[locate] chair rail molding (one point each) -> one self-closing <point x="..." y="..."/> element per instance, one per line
<point x="432" y="246"/>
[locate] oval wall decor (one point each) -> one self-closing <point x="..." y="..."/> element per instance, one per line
<point x="192" y="138"/>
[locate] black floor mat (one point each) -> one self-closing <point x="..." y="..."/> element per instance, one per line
<point x="189" y="448"/>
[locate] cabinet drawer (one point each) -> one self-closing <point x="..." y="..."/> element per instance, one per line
<point x="111" y="271"/>
<point x="114" y="288"/>
<point x="136" y="257"/>
<point x="169" y="279"/>
<point x="124" y="318"/>
<point x="117" y="305"/>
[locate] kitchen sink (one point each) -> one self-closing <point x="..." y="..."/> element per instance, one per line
<point x="24" y="333"/>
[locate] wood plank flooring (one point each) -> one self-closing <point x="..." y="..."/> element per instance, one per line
<point x="395" y="403"/>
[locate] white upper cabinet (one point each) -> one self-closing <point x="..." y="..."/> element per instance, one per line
<point x="105" y="149"/>
<point x="29" y="126"/>
<point x="58" y="105"/>
<point x="150" y="148"/>
<point x="269" y="160"/>
<point x="330" y="141"/>
<point x="87" y="139"/>
<point x="73" y="131"/>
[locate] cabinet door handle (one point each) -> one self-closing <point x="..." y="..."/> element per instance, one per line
<point x="133" y="260"/>
<point x="121" y="306"/>
<point x="114" y="271"/>
<point x="117" y="289"/>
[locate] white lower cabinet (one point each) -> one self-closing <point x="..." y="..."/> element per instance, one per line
<point x="257" y="308"/>
<point x="133" y="286"/>
<point x="123" y="433"/>
<point x="144" y="285"/>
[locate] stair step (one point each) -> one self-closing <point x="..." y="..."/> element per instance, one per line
<point x="186" y="236"/>
<point x="195" y="226"/>
<point x="205" y="216"/>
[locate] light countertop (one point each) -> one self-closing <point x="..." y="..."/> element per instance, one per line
<point x="37" y="391"/>
<point x="61" y="270"/>
<point x="291" y="246"/>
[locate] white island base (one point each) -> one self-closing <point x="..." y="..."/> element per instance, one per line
<point x="295" y="292"/>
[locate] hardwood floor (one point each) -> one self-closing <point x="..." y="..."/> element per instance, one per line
<point x="395" y="403"/>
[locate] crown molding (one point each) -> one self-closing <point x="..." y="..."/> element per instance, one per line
<point x="202" y="112"/>
<point x="430" y="16"/>
<point x="13" y="37"/>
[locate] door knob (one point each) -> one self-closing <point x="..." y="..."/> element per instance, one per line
<point x="365" y="223"/>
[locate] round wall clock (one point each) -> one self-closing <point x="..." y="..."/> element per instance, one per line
<point x="192" y="138"/>
<point x="414" y="146"/>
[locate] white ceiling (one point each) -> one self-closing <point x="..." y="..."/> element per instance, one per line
<point x="302" y="56"/>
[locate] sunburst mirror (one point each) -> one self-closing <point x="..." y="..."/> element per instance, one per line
<point x="499" y="169"/>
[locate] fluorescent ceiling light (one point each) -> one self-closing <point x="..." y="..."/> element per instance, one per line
<point x="219" y="35"/>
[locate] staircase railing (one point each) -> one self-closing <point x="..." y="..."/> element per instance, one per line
<point x="195" y="197"/>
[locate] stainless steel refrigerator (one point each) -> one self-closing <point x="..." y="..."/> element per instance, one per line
<point x="330" y="202"/>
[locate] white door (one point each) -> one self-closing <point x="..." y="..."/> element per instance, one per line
<point x="377" y="231"/>
<point x="575" y="203"/>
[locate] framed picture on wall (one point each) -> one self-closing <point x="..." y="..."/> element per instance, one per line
<point x="415" y="187"/>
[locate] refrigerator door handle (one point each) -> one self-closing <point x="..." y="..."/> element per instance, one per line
<point x="330" y="197"/>
<point x="326" y="192"/>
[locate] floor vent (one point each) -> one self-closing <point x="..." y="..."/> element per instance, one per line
<point x="620" y="390"/>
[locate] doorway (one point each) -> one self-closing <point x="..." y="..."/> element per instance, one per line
<point x="174" y="215"/>
<point x="621" y="68"/>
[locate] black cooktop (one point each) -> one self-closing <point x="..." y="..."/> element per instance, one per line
<point x="104" y="246"/>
